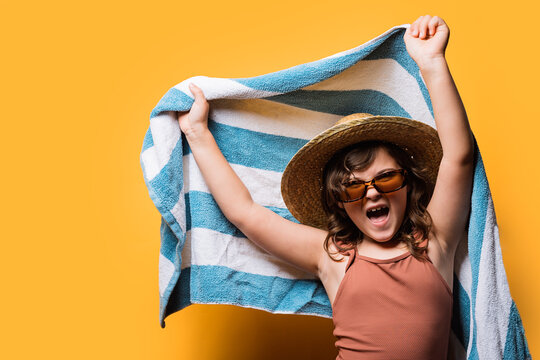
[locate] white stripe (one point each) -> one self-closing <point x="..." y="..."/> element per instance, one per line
<point x="151" y="166"/>
<point x="271" y="117"/>
<point x="493" y="299"/>
<point x="218" y="88"/>
<point x="179" y="211"/>
<point x="166" y="271"/>
<point x="263" y="185"/>
<point x="165" y="133"/>
<point x="285" y="120"/>
<point x="386" y="76"/>
<point x="240" y="254"/>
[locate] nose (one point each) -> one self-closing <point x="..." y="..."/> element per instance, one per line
<point x="372" y="193"/>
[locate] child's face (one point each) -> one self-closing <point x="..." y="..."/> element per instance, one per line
<point x="379" y="231"/>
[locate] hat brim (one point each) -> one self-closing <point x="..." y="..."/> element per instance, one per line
<point x="301" y="182"/>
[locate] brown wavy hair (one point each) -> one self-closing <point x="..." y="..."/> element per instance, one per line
<point x="342" y="232"/>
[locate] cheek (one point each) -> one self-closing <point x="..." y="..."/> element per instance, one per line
<point x="401" y="201"/>
<point x="354" y="212"/>
<point x="398" y="201"/>
<point x="406" y="194"/>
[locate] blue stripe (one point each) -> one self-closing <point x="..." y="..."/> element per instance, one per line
<point x="342" y="102"/>
<point x="251" y="148"/>
<point x="516" y="347"/>
<point x="219" y="284"/>
<point x="173" y="100"/>
<point x="479" y="206"/>
<point x="461" y="310"/>
<point x="208" y="284"/>
<point x="166" y="185"/>
<point x="307" y="74"/>
<point x="209" y="215"/>
<point x="148" y="140"/>
<point x="171" y="248"/>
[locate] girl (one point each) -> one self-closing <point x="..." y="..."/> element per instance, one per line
<point x="375" y="190"/>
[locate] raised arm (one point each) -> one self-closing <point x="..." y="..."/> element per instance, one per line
<point x="449" y="207"/>
<point x="297" y="244"/>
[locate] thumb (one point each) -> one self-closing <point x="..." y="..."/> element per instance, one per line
<point x="197" y="92"/>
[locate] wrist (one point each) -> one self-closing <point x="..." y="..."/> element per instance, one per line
<point x="198" y="136"/>
<point x="432" y="64"/>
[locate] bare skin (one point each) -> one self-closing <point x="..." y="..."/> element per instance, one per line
<point x="301" y="245"/>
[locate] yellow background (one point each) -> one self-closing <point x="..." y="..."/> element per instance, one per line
<point x="80" y="235"/>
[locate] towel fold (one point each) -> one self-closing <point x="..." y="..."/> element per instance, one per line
<point x="259" y="123"/>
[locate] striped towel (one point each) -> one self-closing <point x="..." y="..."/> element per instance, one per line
<point x="259" y="123"/>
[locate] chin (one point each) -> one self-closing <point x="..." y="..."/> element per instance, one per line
<point x="381" y="238"/>
<point x="382" y="235"/>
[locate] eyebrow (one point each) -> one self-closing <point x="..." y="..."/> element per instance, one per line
<point x="380" y="172"/>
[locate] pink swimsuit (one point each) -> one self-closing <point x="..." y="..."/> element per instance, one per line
<point x="398" y="308"/>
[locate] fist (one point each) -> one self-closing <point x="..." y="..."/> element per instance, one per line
<point x="426" y="39"/>
<point x="195" y="122"/>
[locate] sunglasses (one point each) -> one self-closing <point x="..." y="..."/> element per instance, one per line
<point x="384" y="183"/>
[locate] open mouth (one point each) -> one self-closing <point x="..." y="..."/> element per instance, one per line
<point x="378" y="215"/>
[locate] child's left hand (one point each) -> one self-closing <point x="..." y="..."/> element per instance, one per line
<point x="426" y="39"/>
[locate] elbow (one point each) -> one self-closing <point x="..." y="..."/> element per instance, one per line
<point x="466" y="158"/>
<point x="462" y="159"/>
<point x="462" y="153"/>
<point x="240" y="215"/>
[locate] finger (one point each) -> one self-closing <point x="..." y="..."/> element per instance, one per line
<point x="197" y="92"/>
<point x="414" y="26"/>
<point x="423" y="26"/>
<point x="418" y="24"/>
<point x="408" y="30"/>
<point x="432" y="25"/>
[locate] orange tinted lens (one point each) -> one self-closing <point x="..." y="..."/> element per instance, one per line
<point x="352" y="192"/>
<point x="389" y="182"/>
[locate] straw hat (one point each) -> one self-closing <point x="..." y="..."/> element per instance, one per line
<point x="301" y="182"/>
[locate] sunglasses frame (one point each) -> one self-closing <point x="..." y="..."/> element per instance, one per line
<point x="373" y="182"/>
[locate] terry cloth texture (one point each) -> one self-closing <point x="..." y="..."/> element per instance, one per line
<point x="259" y="123"/>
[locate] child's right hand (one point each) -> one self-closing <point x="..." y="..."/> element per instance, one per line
<point x="195" y="122"/>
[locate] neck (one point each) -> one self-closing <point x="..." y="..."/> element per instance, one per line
<point x="369" y="243"/>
